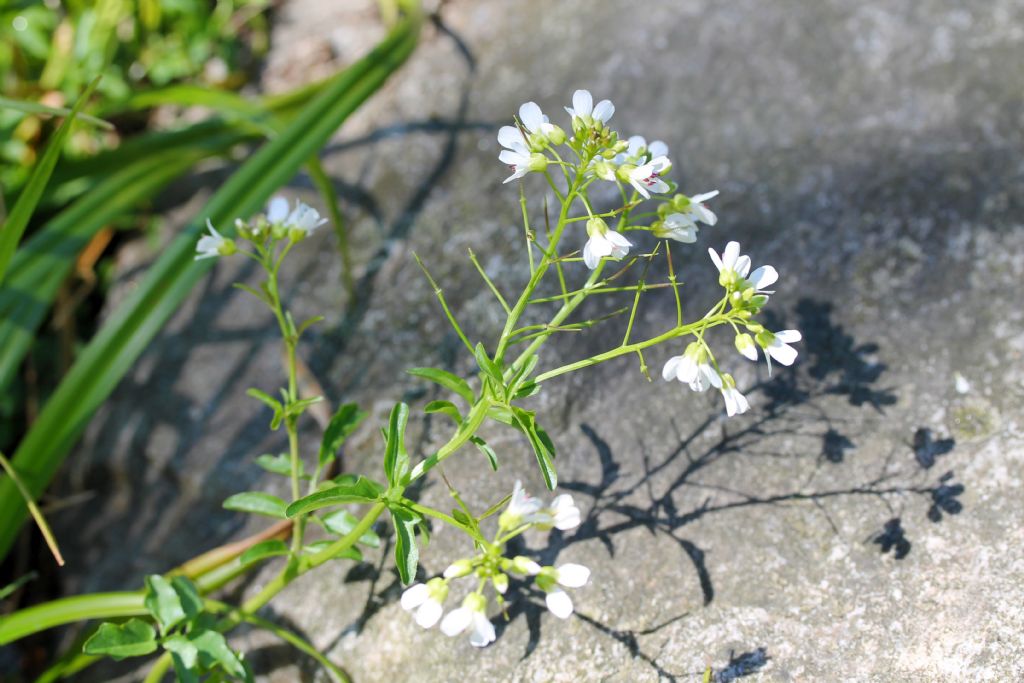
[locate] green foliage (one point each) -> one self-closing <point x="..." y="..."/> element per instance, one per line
<point x="396" y="458"/>
<point x="133" y="638"/>
<point x="257" y="503"/>
<point x="447" y="380"/>
<point x="342" y="423"/>
<point x="263" y="550"/>
<point x="363" y="490"/>
<point x="407" y="555"/>
<point x="341" y="522"/>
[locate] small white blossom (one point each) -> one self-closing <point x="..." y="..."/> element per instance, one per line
<point x="523" y="509"/>
<point x="565" y="513"/>
<point x="551" y="580"/>
<point x="214" y="244"/>
<point x="681" y="224"/>
<point x="638" y="150"/>
<point x="777" y="346"/>
<point x="277" y="210"/>
<point x="304" y="219"/>
<point x="608" y="243"/>
<point x="524" y="565"/>
<point x="517" y="154"/>
<point x="426" y="601"/>
<point x="470" y="616"/>
<point x="534" y="120"/>
<point x="746" y="346"/>
<point x="583" y="108"/>
<point x="458" y="569"/>
<point x="733" y="268"/>
<point x="693" y="368"/>
<point x="735" y="402"/>
<point x="647" y="178"/>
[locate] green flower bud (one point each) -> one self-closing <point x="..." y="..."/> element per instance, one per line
<point x="227" y="248"/>
<point x="475" y="602"/>
<point x="458" y="568"/>
<point x="438" y="588"/>
<point x="604" y="170"/>
<point x="623" y="172"/>
<point x="538" y="162"/>
<point x="500" y="582"/>
<point x="680" y="202"/>
<point x="522" y="565"/>
<point x="557" y="136"/>
<point x="743" y="342"/>
<point x="596" y="226"/>
<point x="296" y="234"/>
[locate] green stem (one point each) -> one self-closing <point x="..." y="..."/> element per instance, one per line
<point x="33" y="509"/>
<point x="468" y="428"/>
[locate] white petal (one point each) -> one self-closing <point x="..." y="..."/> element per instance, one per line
<point x="277" y="209"/>
<point x="589" y="257"/>
<point x="698" y="198"/>
<point x="750" y="352"/>
<point x="699" y="383"/>
<point x="531" y="116"/>
<point x="742" y="405"/>
<point x="604" y="111"/>
<point x="658" y="186"/>
<point x="658" y="149"/>
<point x="781" y="352"/>
<point x="414" y="596"/>
<point x="601" y="245"/>
<point x="789" y="336"/>
<point x="456" y="621"/>
<point x="617" y="239"/>
<point x="686" y="235"/>
<point x="429" y="613"/>
<point x="763" y="277"/>
<point x="715" y="258"/>
<point x="511" y="137"/>
<point x="567" y="515"/>
<point x="636" y="143"/>
<point x="687" y="371"/>
<point x="659" y="163"/>
<point x="703" y="214"/>
<point x="638" y="185"/>
<point x="483" y="631"/>
<point x="729" y="256"/>
<point x="730" y="403"/>
<point x="742" y="266"/>
<point x="711" y="375"/>
<point x="668" y="373"/>
<point x="559" y="603"/>
<point x="519" y="173"/>
<point x="513" y="158"/>
<point x="573" y="575"/>
<point x="582" y="102"/>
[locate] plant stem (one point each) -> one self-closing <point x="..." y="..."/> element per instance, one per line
<point x="33" y="509"/>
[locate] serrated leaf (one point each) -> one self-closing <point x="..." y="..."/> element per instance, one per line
<point x="447" y="380"/>
<point x="133" y="638"/>
<point x="275" y="464"/>
<point x="492" y="457"/>
<point x="407" y="555"/>
<point x="342" y="522"/>
<point x="396" y="459"/>
<point x="213" y="649"/>
<point x="163" y="602"/>
<point x="343" y="423"/>
<point x="362" y="491"/>
<point x="257" y="503"/>
<point x="446" y="407"/>
<point x="263" y="550"/>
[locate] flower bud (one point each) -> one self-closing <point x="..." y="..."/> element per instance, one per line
<point x="604" y="170"/>
<point x="556" y="136"/>
<point x="538" y="162"/>
<point x="475" y="602"/>
<point x="458" y="569"/>
<point x="438" y="588"/>
<point x="744" y="342"/>
<point x="500" y="582"/>
<point x="623" y="172"/>
<point x="524" y="565"/>
<point x="297" y="234"/>
<point x="227" y="248"/>
<point x="681" y="203"/>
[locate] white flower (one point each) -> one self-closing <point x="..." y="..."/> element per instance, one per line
<point x="470" y="616"/>
<point x="638" y="150"/>
<point x="646" y="178"/>
<point x="678" y="227"/>
<point x="277" y="210"/>
<point x="517" y="154"/>
<point x="534" y="120"/>
<point x="551" y="579"/>
<point x="214" y="244"/>
<point x="693" y="368"/>
<point x="583" y="108"/>
<point x="304" y="219"/>
<point x="608" y="243"/>
<point x="777" y="346"/>
<point x="735" y="402"/>
<point x="733" y="268"/>
<point x="426" y="601"/>
<point x="565" y="513"/>
<point x="523" y="509"/>
<point x="681" y="225"/>
<point x="746" y="346"/>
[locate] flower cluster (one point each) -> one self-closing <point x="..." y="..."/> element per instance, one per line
<point x="426" y="600"/>
<point x="531" y="146"/>
<point x="276" y="224"/>
<point x="746" y="294"/>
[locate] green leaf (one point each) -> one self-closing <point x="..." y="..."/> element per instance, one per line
<point x="524" y="371"/>
<point x="275" y="464"/>
<point x="502" y="414"/>
<point x="446" y="407"/>
<point x="396" y="459"/>
<point x="492" y="457"/>
<point x="133" y="638"/>
<point x="270" y="402"/>
<point x="341" y="522"/>
<point x="407" y="555"/>
<point x="462" y="518"/>
<point x="526" y="390"/>
<point x="190" y="599"/>
<point x="16" y="222"/>
<point x="447" y="380"/>
<point x="343" y="423"/>
<point x="257" y="503"/>
<point x="542" y="446"/>
<point x="263" y="550"/>
<point x="184" y="648"/>
<point x="163" y="602"/>
<point x="130" y="329"/>
<point x="350" y="553"/>
<point x="488" y="366"/>
<point x="363" y="491"/>
<point x="213" y="650"/>
<point x="37" y="108"/>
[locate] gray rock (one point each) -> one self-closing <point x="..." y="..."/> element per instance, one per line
<point x="870" y="151"/>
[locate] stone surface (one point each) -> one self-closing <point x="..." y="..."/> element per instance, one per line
<point x="871" y="151"/>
